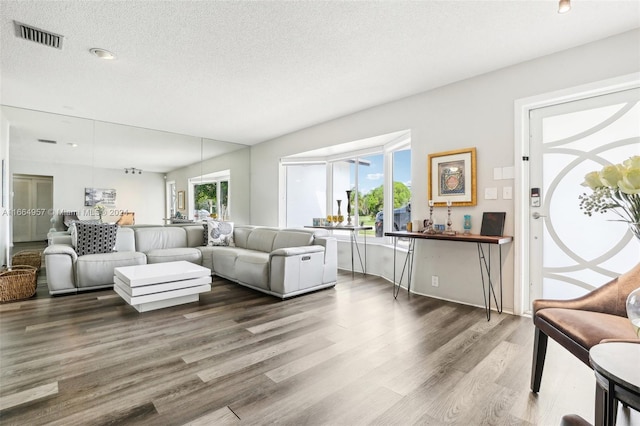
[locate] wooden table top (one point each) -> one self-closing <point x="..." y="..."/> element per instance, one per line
<point x="471" y="238"/>
<point x="343" y="228"/>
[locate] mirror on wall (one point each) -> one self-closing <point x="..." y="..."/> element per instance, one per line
<point x="104" y="145"/>
<point x="78" y="153"/>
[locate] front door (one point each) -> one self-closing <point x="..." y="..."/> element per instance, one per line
<point x="570" y="252"/>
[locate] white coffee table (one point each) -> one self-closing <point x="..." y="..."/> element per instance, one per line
<point x="160" y="285"/>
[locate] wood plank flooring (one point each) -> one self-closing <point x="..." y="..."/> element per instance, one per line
<point x="349" y="355"/>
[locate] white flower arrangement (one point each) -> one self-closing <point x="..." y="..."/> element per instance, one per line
<point x="100" y="209"/>
<point x="615" y="188"/>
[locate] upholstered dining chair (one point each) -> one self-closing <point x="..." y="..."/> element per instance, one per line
<point x="579" y="324"/>
<point x="68" y="218"/>
<point x="127" y="218"/>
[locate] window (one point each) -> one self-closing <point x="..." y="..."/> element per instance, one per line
<point x="401" y="189"/>
<point x="378" y="179"/>
<point x="364" y="177"/>
<point x="171" y="200"/>
<point x="306" y="189"/>
<point x="209" y="196"/>
<point x="206" y="199"/>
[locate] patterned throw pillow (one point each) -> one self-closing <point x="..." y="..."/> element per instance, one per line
<point x="205" y="236"/>
<point x="74" y="231"/>
<point x="219" y="233"/>
<point x="95" y="238"/>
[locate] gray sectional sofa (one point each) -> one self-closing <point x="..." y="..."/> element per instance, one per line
<point x="280" y="262"/>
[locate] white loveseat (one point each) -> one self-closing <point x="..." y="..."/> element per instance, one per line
<point x="281" y="262"/>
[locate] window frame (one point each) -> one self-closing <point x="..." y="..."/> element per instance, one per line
<point x="387" y="150"/>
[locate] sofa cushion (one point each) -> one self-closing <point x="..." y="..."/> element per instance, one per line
<point x="192" y="255"/>
<point x="125" y="240"/>
<point x="95" y="238"/>
<point x="291" y="238"/>
<point x="252" y="267"/>
<point x="160" y="238"/>
<point x="241" y="235"/>
<point x="261" y="239"/>
<point x="97" y="269"/>
<point x="219" y="233"/>
<point x="195" y="237"/>
<point x="224" y="260"/>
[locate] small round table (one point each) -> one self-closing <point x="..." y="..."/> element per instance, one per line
<point x="617" y="369"/>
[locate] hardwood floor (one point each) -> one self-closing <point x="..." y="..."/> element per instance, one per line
<point x="343" y="356"/>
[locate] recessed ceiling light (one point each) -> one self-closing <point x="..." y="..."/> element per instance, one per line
<point x="102" y="53"/>
<point x="72" y="145"/>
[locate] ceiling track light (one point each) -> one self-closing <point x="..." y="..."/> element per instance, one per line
<point x="133" y="170"/>
<point x="564" y="6"/>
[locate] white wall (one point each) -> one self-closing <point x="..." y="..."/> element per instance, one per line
<point x="142" y="194"/>
<point x="478" y="112"/>
<point x="238" y="163"/>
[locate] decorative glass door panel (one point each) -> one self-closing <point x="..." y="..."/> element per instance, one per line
<point x="572" y="253"/>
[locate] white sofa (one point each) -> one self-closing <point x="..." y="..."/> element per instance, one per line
<point x="281" y="262"/>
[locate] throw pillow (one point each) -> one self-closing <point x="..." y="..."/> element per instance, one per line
<point x="74" y="231"/>
<point x="219" y="233"/>
<point x="95" y="238"/>
<point x="205" y="236"/>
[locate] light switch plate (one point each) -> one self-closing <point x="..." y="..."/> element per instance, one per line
<point x="497" y="173"/>
<point x="507" y="193"/>
<point x="491" y="193"/>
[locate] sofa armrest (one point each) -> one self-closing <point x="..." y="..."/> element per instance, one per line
<point x="61" y="249"/>
<point x="330" y="245"/>
<point x="296" y="251"/>
<point x="60" y="263"/>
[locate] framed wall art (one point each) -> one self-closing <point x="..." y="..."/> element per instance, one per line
<point x="94" y="196"/>
<point x="181" y="200"/>
<point x="452" y="177"/>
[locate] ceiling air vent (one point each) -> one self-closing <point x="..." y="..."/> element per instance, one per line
<point x="47" y="141"/>
<point x="39" y="36"/>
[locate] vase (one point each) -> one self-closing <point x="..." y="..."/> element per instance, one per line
<point x="467" y="224"/>
<point x="339" y="203"/>
<point x="349" y="207"/>
<point x="633" y="309"/>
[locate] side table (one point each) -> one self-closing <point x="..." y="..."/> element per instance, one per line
<point x="617" y="369"/>
<point x="354" y="242"/>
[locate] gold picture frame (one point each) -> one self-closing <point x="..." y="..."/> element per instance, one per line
<point x="452" y="177"/>
<point x="181" y="200"/>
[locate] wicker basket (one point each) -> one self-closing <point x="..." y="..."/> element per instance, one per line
<point x="28" y="257"/>
<point x="18" y="283"/>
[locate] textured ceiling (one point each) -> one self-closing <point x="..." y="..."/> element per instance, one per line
<point x="247" y="72"/>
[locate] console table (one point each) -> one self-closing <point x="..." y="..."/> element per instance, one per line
<point x="353" y="234"/>
<point x="617" y="369"/>
<point x="484" y="259"/>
